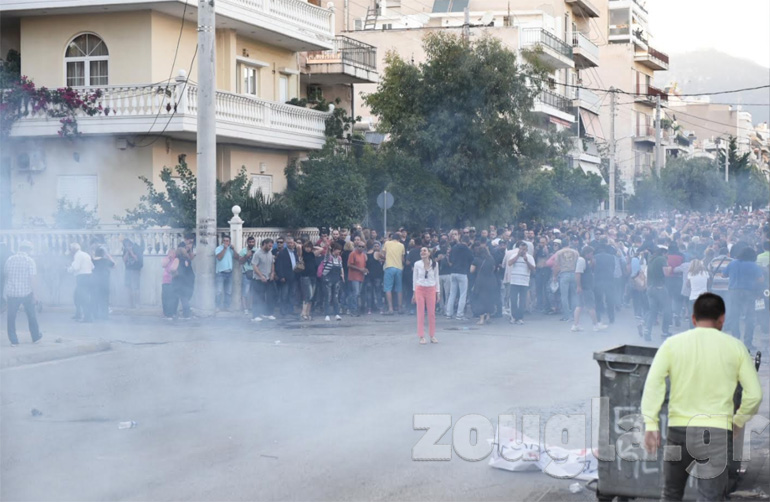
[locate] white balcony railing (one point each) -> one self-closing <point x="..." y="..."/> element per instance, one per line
<point x="179" y="101"/>
<point x="580" y="41"/>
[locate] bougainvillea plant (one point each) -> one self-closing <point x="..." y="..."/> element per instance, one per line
<point x="22" y="99"/>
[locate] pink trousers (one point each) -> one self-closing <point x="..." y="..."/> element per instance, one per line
<point x="425" y="296"/>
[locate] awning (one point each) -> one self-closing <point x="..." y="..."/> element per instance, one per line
<point x="592" y="168"/>
<point x="591" y="124"/>
<point x="558" y="121"/>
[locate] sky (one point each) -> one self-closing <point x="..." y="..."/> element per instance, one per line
<point x="740" y="28"/>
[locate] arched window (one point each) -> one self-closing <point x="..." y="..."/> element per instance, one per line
<point x="86" y="59"/>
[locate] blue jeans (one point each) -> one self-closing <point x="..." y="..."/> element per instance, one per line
<point x="568" y="291"/>
<point x="331" y="287"/>
<point x="459" y="290"/>
<point x="224" y="284"/>
<point x="659" y="303"/>
<point x="354" y="291"/>
<point x="740" y="302"/>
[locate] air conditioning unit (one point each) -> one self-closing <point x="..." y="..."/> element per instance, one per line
<point x="30" y="162"/>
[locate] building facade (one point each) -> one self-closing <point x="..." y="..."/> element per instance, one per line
<point x="142" y="55"/>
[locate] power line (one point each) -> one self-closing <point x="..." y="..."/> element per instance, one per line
<point x="181" y="94"/>
<point x="675" y="111"/>
<point x="170" y="74"/>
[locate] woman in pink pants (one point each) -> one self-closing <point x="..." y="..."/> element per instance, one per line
<point x="426" y="291"/>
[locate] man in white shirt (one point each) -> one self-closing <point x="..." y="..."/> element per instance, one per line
<point x="81" y="267"/>
<point x="520" y="264"/>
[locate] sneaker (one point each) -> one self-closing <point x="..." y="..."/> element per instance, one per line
<point x="460" y="318"/>
<point x="600" y="327"/>
<point x="270" y="317"/>
<point x="327" y="318"/>
<point x="256" y="319"/>
<point x="337" y="318"/>
<point x="575" y="327"/>
<point x="520" y="322"/>
<point x="14" y="345"/>
<point x="37" y="340"/>
<point x="564" y="319"/>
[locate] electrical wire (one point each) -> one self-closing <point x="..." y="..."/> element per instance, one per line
<point x="176" y="104"/>
<point x="170" y="75"/>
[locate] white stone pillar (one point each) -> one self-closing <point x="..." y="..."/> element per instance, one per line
<point x="236" y="239"/>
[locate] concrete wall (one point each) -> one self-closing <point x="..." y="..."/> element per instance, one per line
<point x="164" y="31"/>
<point x="119" y="188"/>
<point x="128" y="36"/>
<point x="34" y="194"/>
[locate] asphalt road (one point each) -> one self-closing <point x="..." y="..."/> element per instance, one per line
<point x="228" y="410"/>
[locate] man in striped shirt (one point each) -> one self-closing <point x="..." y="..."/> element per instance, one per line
<point x="20" y="271"/>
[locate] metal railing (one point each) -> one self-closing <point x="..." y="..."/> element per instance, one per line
<point x="540" y="36"/>
<point x="350" y="51"/>
<point x="656" y="54"/>
<point x="555" y="100"/>
<point x="637" y="2"/>
<point x="644" y="91"/>
<point x="582" y="42"/>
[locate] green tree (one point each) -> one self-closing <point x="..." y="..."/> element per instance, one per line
<point x="176" y="206"/>
<point x="686" y="185"/>
<point x="327" y="189"/>
<point x="74" y="215"/>
<point x="464" y="117"/>
<point x="746" y="181"/>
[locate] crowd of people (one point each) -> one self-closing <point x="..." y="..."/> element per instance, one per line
<point x="569" y="269"/>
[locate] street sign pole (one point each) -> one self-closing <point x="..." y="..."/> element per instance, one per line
<point x="385" y="219"/>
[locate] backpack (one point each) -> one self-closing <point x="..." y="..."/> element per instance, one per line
<point x="320" y="271"/>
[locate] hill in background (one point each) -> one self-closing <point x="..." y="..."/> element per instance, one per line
<point x="708" y="71"/>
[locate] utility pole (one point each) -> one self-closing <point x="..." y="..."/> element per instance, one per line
<point x="727" y="162"/>
<point x="467" y="25"/>
<point x="206" y="196"/>
<point x="613" y="96"/>
<point x="658" y="138"/>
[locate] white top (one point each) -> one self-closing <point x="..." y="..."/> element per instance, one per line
<point x="698" y="284"/>
<point x="518" y="273"/>
<point x="420" y="278"/>
<point x="81" y="264"/>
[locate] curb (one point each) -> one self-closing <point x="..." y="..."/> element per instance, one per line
<point x="54" y="355"/>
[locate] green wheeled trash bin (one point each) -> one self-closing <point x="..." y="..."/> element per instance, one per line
<point x="626" y="473"/>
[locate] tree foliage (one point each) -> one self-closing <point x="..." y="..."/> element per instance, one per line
<point x="327" y="189"/>
<point x="462" y="119"/>
<point x="686" y="185"/>
<point x="176" y="206"/>
<point x="74" y="215"/>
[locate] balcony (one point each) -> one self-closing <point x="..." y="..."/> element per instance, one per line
<point x="349" y="62"/>
<point x="647" y="94"/>
<point x="623" y="3"/>
<point x="586" y="53"/>
<point x="588" y="100"/>
<point x="149" y="109"/>
<point x="550" y="50"/>
<point x="556" y="107"/>
<point x="644" y="134"/>
<point x="583" y="8"/>
<point x="652" y="59"/>
<point x="292" y="24"/>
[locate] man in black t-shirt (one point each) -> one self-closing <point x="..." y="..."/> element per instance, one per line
<point x="460" y="259"/>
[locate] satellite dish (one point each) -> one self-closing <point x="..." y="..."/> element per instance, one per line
<point x="487" y="19"/>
